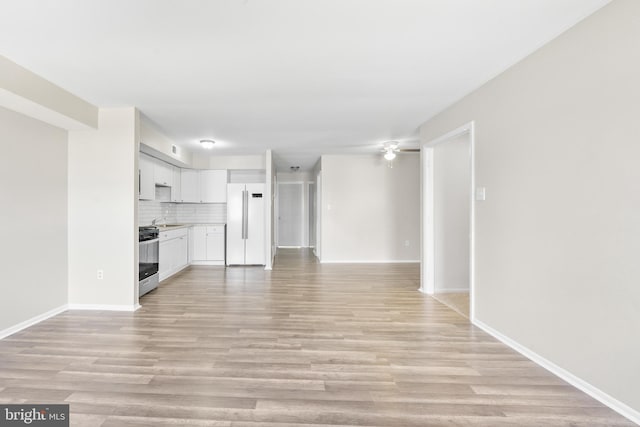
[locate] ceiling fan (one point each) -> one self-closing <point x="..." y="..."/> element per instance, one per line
<point x="390" y="148"/>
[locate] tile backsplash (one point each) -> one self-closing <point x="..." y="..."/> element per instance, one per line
<point x="181" y="213"/>
<point x="199" y="213"/>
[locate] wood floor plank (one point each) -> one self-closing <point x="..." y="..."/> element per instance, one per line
<point x="305" y="344"/>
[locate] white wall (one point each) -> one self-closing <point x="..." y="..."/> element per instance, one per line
<point x="558" y="237"/>
<point x="370" y="210"/>
<point x="452" y="178"/>
<point x="270" y="174"/>
<point x="157" y="144"/>
<point x="317" y="172"/>
<point x="256" y="161"/>
<point x="33" y="248"/>
<point x="103" y="202"/>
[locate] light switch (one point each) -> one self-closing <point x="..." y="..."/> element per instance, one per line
<point x="481" y="193"/>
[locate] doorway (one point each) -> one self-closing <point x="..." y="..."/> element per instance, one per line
<point x="448" y="220"/>
<point x="290" y="232"/>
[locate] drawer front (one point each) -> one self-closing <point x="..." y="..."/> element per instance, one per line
<point x="173" y="234"/>
<point x="215" y="229"/>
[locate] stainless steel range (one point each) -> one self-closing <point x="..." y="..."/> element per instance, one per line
<point x="149" y="244"/>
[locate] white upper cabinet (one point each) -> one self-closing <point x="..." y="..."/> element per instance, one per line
<point x="203" y="186"/>
<point x="176" y="184"/>
<point x="213" y="186"/>
<point x="190" y="186"/>
<point x="146" y="185"/>
<point x="163" y="173"/>
<point x="187" y="185"/>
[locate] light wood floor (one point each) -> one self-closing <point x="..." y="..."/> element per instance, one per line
<point x="458" y="301"/>
<point x="303" y="345"/>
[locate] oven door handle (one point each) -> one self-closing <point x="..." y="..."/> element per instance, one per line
<point x="144" y="242"/>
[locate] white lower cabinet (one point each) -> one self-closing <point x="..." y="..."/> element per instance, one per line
<point x="208" y="244"/>
<point x="199" y="244"/>
<point x="174" y="252"/>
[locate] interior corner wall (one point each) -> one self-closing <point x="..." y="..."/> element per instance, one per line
<point x="558" y="237"/>
<point x="370" y="212"/>
<point x="103" y="198"/>
<point x="33" y="248"/>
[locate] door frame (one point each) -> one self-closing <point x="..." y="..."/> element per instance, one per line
<point x="302" y="207"/>
<point x="311" y="224"/>
<point x="427" y="244"/>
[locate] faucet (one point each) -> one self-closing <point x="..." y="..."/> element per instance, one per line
<point x="155" y="220"/>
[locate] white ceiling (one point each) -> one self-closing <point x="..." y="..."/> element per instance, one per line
<point x="302" y="77"/>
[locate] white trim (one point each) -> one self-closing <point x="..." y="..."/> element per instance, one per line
<point x="291" y="247"/>
<point x="104" y="307"/>
<point x="310" y="226"/>
<point x="427" y="267"/>
<point x="30" y="322"/>
<point x="604" y="398"/>
<point x="377" y="261"/>
<point x="427" y="273"/>
<point x="206" y="263"/>
<point x="453" y="291"/>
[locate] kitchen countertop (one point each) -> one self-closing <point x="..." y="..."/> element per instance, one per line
<point x="177" y="226"/>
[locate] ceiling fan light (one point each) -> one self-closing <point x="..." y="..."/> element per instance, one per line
<point x="389" y="155"/>
<point x="207" y="143"/>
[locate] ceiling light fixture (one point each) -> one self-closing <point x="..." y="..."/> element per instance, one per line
<point x="389" y="149"/>
<point x="207" y="143"/>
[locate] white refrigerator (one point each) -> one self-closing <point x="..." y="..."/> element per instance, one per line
<point x="245" y="224"/>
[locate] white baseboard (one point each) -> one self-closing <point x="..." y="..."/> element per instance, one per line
<point x="30" y="322"/>
<point x="452" y="290"/>
<point x="104" y="307"/>
<point x="604" y="398"/>
<point x="206" y="263"/>
<point x="366" y="261"/>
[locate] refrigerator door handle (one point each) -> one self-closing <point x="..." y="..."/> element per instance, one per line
<point x="243" y="206"/>
<point x="245" y="215"/>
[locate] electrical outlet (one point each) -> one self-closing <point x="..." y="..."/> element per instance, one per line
<point x="100" y="274"/>
<point x="407" y="243"/>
